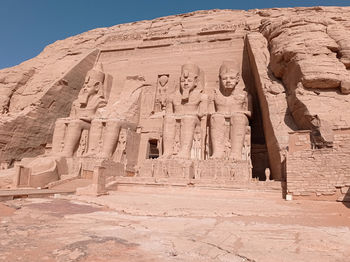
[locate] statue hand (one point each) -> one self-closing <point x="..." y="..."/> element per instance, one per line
<point x="85" y="118"/>
<point x="247" y="113"/>
<point x="97" y="102"/>
<point x="244" y="112"/>
<point x="201" y="115"/>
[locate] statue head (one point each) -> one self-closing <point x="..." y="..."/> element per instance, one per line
<point x="189" y="79"/>
<point x="229" y="76"/>
<point x="93" y="84"/>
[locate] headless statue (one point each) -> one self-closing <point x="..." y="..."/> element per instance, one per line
<point x="188" y="105"/>
<point x="124" y="113"/>
<point x="90" y="99"/>
<point x="231" y="108"/>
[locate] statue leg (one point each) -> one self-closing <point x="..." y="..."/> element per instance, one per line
<point x="217" y="135"/>
<point x="110" y="138"/>
<point x="239" y="123"/>
<point x="188" y="124"/>
<point x="72" y="137"/>
<point x="168" y="136"/>
<point x="58" y="135"/>
<point x="95" y="136"/>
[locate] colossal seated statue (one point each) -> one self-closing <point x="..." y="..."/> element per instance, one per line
<point x="40" y="171"/>
<point x="124" y="113"/>
<point x="68" y="131"/>
<point x="187" y="106"/>
<point x="231" y="109"/>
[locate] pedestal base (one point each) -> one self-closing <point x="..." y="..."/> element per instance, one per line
<point x="196" y="171"/>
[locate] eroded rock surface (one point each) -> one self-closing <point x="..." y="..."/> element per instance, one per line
<point x="294" y="63"/>
<point x="309" y="52"/>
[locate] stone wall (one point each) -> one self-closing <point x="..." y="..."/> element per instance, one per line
<point x="322" y="173"/>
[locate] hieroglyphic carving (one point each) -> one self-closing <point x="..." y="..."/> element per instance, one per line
<point x="218" y="28"/>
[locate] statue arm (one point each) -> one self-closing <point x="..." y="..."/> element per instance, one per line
<point x="73" y="111"/>
<point x="204" y="105"/>
<point x="97" y="102"/>
<point x="246" y="107"/>
<point x="211" y="105"/>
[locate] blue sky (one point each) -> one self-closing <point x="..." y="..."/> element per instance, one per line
<point x="27" y="26"/>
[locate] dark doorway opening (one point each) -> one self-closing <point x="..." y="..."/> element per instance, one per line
<point x="259" y="152"/>
<point x="153" y="151"/>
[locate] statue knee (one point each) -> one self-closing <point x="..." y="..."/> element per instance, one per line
<point x="114" y="123"/>
<point x="217" y="119"/>
<point x="97" y="121"/>
<point x="169" y="120"/>
<point x="74" y="124"/>
<point x="60" y="123"/>
<point x="188" y="124"/>
<point x="190" y="119"/>
<point x="239" y="119"/>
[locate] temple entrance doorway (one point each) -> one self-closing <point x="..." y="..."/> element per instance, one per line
<point x="153" y="151"/>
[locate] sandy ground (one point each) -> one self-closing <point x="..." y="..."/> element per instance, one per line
<point x="174" y="224"/>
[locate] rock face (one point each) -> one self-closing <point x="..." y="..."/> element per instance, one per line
<point x="166" y="94"/>
<point x="310" y="55"/>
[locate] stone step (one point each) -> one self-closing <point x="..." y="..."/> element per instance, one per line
<point x="31" y="192"/>
<point x="72" y="184"/>
<point x="275" y="186"/>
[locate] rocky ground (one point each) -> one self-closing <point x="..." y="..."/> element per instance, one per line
<point x="174" y="224"/>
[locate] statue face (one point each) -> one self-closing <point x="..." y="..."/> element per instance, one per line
<point x="188" y="82"/>
<point x="229" y="80"/>
<point x="91" y="86"/>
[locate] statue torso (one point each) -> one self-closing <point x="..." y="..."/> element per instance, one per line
<point x="190" y="107"/>
<point x="228" y="105"/>
<point x="89" y="110"/>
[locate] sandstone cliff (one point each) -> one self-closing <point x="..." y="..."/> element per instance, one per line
<point x="298" y="62"/>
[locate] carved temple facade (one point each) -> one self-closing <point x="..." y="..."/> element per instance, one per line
<point x="226" y="104"/>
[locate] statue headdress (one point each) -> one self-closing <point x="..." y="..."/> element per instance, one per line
<point x="228" y="66"/>
<point x="97" y="73"/>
